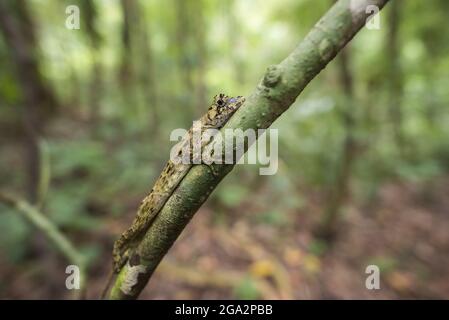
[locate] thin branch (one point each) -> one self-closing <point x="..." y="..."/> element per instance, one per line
<point x="278" y="89"/>
<point x="61" y="242"/>
<point x="44" y="173"/>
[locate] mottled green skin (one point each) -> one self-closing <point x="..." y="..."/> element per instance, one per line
<point x="217" y="115"/>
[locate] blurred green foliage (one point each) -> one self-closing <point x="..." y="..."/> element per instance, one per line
<point x="246" y="290"/>
<point x="110" y="137"/>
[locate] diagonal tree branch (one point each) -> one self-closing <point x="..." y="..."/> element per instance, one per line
<point x="277" y="90"/>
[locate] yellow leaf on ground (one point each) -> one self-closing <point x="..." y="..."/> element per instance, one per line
<point x="400" y="281"/>
<point x="312" y="264"/>
<point x="293" y="256"/>
<point x="262" y="268"/>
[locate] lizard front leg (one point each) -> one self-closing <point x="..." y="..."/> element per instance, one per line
<point x="211" y="167"/>
<point x="120" y="252"/>
<point x="207" y="148"/>
<point x="128" y="239"/>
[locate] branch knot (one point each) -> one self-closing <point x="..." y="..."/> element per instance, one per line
<point x="272" y="76"/>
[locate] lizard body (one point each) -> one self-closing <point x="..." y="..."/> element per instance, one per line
<point x="222" y="108"/>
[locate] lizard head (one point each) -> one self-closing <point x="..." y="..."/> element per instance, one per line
<point x="222" y="108"/>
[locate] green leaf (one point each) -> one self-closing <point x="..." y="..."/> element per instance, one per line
<point x="273" y="217"/>
<point x="246" y="289"/>
<point x="318" y="247"/>
<point x="385" y="264"/>
<point x="14" y="232"/>
<point x="232" y="195"/>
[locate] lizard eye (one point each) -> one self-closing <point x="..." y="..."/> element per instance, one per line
<point x="220" y="103"/>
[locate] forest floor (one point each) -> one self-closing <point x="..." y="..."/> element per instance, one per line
<point x="404" y="232"/>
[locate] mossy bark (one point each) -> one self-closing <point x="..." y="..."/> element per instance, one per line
<point x="277" y="90"/>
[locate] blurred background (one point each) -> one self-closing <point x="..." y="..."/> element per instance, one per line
<point x="85" y="118"/>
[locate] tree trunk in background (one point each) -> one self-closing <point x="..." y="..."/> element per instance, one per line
<point x="394" y="72"/>
<point x="201" y="55"/>
<point x="137" y="67"/>
<point x="39" y="102"/>
<point x="90" y="14"/>
<point x="234" y="43"/>
<point x="128" y="18"/>
<point x="146" y="70"/>
<point x="328" y="227"/>
<point x="192" y="54"/>
<point x="184" y="53"/>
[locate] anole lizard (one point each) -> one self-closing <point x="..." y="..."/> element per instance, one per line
<point x="221" y="110"/>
